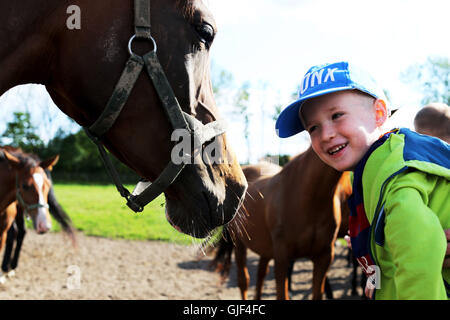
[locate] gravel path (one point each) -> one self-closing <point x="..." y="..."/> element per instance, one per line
<point x="50" y="268"/>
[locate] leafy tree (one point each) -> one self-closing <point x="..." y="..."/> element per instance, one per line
<point x="21" y="133"/>
<point x="80" y="160"/>
<point x="241" y="105"/>
<point x="432" y="78"/>
<point x="221" y="81"/>
<point x="281" y="159"/>
<point x="278" y="108"/>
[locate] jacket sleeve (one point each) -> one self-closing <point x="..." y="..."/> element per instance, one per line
<point x="414" y="237"/>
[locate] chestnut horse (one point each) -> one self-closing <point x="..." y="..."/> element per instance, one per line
<point x="340" y="206"/>
<point x="25" y="185"/>
<point x="81" y="69"/>
<point x="17" y="231"/>
<point x="291" y="214"/>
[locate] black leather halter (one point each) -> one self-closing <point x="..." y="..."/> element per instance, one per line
<point x="145" y="192"/>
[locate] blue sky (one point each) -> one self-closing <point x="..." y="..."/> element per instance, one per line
<point x="271" y="44"/>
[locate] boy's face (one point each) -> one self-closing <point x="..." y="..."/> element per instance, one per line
<point x="343" y="125"/>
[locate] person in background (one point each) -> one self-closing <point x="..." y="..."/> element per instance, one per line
<point x="434" y="120"/>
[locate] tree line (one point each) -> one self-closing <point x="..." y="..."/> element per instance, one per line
<point x="80" y="161"/>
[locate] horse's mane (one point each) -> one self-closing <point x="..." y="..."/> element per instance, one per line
<point x="27" y="159"/>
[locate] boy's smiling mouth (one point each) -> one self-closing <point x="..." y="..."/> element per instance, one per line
<point x="334" y="150"/>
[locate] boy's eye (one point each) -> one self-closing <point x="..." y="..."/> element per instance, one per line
<point x="311" y="129"/>
<point x="336" y="115"/>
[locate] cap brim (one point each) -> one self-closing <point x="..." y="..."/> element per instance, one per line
<point x="288" y="122"/>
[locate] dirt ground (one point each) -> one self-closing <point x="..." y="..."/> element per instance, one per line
<point x="50" y="268"/>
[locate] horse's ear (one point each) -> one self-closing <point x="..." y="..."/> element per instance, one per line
<point x="13" y="161"/>
<point x="49" y="163"/>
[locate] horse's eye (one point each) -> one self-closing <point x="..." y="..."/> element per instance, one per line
<point x="205" y="32"/>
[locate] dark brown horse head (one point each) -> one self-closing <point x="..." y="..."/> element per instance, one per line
<point x="31" y="186"/>
<point x="80" y="68"/>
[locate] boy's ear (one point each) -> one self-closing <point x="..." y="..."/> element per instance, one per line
<point x="381" y="112"/>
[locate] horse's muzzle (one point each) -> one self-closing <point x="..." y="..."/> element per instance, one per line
<point x="201" y="210"/>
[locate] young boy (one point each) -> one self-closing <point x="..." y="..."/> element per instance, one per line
<point x="400" y="202"/>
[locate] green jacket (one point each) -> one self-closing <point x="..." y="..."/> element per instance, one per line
<point x="406" y="191"/>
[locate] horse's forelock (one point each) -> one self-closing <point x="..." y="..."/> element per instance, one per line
<point x="28" y="160"/>
<point x="186" y="7"/>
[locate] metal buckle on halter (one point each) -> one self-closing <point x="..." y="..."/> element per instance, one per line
<point x="130" y="42"/>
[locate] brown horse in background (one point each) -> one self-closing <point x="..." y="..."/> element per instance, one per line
<point x="17" y="231"/>
<point x="291" y="214"/>
<point x="24" y="185"/>
<point x="24" y="180"/>
<point x="80" y="69"/>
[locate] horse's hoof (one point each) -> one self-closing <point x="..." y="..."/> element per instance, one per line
<point x="2" y="279"/>
<point x="10" y="273"/>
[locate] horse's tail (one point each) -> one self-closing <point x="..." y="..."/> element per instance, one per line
<point x="60" y="215"/>
<point x="222" y="260"/>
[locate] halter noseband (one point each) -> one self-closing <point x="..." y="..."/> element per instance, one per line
<point x="145" y="192"/>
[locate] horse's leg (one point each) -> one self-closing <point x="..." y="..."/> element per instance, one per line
<point x="289" y="275"/>
<point x="281" y="267"/>
<point x="2" y="244"/>
<point x="354" y="275"/>
<point x="240" y="255"/>
<point x="363" y="285"/>
<point x="10" y="238"/>
<point x="263" y="268"/>
<point x="21" y="231"/>
<point x="328" y="290"/>
<point x="321" y="265"/>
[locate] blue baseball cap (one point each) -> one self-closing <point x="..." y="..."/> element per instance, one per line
<point x="320" y="80"/>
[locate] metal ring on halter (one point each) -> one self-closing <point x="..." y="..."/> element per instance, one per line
<point x="130" y="42"/>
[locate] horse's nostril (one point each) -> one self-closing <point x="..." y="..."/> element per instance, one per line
<point x="42" y="228"/>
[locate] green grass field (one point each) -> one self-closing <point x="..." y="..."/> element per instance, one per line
<point x="99" y="210"/>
